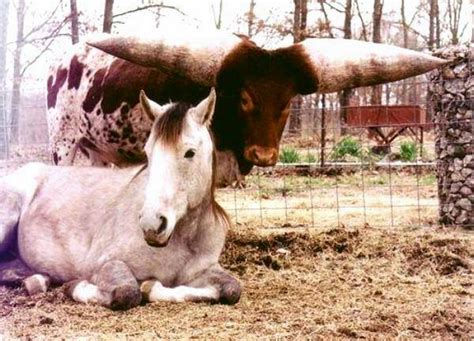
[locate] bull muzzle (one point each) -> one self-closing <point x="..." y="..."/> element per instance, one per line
<point x="261" y="156"/>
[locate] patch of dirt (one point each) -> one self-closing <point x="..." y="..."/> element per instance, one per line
<point x="250" y="248"/>
<point x="337" y="283"/>
<point x="444" y="256"/>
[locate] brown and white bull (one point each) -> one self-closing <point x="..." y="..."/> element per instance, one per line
<point x="93" y="97"/>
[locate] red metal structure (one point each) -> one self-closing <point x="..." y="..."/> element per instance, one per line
<point x="386" y="122"/>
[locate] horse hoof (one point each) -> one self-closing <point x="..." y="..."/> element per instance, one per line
<point x="230" y="292"/>
<point x="36" y="284"/>
<point x="125" y="297"/>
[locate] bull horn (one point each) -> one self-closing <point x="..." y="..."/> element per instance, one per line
<point x="341" y="64"/>
<point x="197" y="59"/>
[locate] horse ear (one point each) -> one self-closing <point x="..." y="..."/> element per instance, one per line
<point x="204" y="111"/>
<point x="151" y="108"/>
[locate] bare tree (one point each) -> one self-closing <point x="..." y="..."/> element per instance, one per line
<point x="345" y="95"/>
<point x="432" y="29"/>
<point x="34" y="36"/>
<point x="377" y="21"/>
<point x="327" y="23"/>
<point x="4" y="6"/>
<point x="108" y="16"/>
<point x="437" y="25"/>
<point x="251" y="19"/>
<point x="377" y="38"/>
<point x="74" y="22"/>
<point x="16" y="89"/>
<point x="405" y="45"/>
<point x="404" y="24"/>
<point x="362" y="22"/>
<point x="300" y="16"/>
<point x="454" y="16"/>
<point x="218" y="16"/>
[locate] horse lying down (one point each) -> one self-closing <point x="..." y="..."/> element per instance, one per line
<point x="114" y="236"/>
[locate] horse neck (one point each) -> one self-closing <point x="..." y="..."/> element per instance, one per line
<point x="205" y="224"/>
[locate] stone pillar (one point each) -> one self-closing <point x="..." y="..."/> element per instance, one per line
<point x="452" y="90"/>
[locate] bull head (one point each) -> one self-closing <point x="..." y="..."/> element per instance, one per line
<point x="255" y="85"/>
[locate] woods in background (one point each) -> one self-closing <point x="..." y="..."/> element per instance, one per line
<point x="34" y="29"/>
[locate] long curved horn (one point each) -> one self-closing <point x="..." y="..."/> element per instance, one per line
<point x="196" y="58"/>
<point x="340" y="63"/>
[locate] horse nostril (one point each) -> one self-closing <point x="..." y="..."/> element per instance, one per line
<point x="163" y="223"/>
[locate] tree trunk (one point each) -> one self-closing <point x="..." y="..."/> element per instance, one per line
<point x="108" y="16"/>
<point x="438" y="31"/>
<point x="218" y="18"/>
<point x="431" y="34"/>
<point x="364" y="26"/>
<point x="348" y="20"/>
<point x="297" y="21"/>
<point x="454" y="16"/>
<point x="251" y="18"/>
<point x="405" y="45"/>
<point x="377" y="38"/>
<point x="299" y="29"/>
<point x="303" y="19"/>
<point x="74" y="22"/>
<point x="4" y="6"/>
<point x="17" y="77"/>
<point x="326" y="19"/>
<point x="345" y="95"/>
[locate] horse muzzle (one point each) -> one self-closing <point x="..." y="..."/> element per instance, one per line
<point x="157" y="231"/>
<point x="152" y="238"/>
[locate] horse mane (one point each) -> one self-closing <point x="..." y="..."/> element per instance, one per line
<point x="217" y="210"/>
<point x="170" y="125"/>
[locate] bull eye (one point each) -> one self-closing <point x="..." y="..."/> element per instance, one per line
<point x="189" y="154"/>
<point x="246" y="102"/>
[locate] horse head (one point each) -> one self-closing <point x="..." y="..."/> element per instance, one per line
<point x="180" y="161"/>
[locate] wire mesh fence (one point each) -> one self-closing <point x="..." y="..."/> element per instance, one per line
<point x="342" y="180"/>
<point x="377" y="168"/>
<point x="353" y="179"/>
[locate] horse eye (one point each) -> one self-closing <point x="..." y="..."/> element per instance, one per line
<point x="189" y="154"/>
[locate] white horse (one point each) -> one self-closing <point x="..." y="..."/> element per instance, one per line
<point x="115" y="235"/>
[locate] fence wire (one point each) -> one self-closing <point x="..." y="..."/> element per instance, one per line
<point x="323" y="178"/>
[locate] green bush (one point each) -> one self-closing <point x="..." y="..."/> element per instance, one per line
<point x="408" y="151"/>
<point x="310" y="158"/>
<point x="289" y="155"/>
<point x="347" y="146"/>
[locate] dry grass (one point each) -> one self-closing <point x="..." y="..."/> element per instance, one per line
<point x="378" y="198"/>
<point x="336" y="283"/>
<point x="356" y="281"/>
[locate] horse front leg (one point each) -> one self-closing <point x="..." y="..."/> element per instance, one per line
<point x="113" y="286"/>
<point x="212" y="285"/>
<point x="10" y="212"/>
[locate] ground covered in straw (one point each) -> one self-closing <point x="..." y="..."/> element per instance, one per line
<point x="339" y="283"/>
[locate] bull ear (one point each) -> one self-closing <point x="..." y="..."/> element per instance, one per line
<point x="195" y="57"/>
<point x="338" y="64"/>
<point x="151" y="108"/>
<point x="204" y="111"/>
